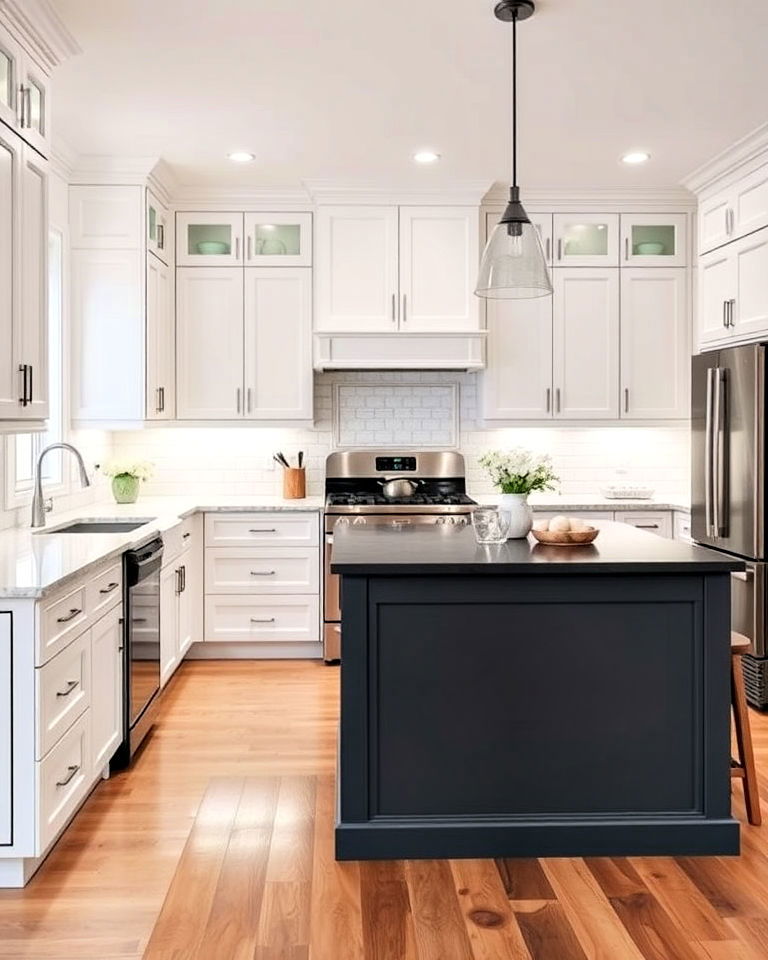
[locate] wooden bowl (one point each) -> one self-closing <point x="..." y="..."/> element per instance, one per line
<point x="573" y="538"/>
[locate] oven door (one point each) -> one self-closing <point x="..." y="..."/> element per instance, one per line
<point x="748" y="596"/>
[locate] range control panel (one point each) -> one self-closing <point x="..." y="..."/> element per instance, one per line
<point x="396" y="464"/>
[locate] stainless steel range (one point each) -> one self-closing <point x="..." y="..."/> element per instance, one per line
<point x="393" y="488"/>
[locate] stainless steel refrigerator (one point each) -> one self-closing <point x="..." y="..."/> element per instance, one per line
<point x="728" y="486"/>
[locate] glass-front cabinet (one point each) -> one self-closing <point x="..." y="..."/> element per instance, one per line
<point x="209" y="239"/>
<point x="34" y="107"/>
<point x="9" y="73"/>
<point x="278" y="239"/>
<point x="654" y="240"/>
<point x="158" y="225"/>
<point x="586" y="239"/>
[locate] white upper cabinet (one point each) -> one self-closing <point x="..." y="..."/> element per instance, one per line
<point x="655" y="344"/>
<point x="586" y="344"/>
<point x="716" y="285"/>
<point x="105" y="218"/>
<point x="653" y="240"/>
<point x="159" y="229"/>
<point x="517" y="382"/>
<point x="735" y="211"/>
<point x="33" y="325"/>
<point x="209" y="343"/>
<point x="586" y="239"/>
<point x="25" y="95"/>
<point x="161" y="342"/>
<point x="278" y="239"/>
<point x="10" y="263"/>
<point x="749" y="311"/>
<point x="715" y="221"/>
<point x="209" y="239"/>
<point x="278" y="343"/>
<point x="356" y="279"/>
<point x="11" y="56"/>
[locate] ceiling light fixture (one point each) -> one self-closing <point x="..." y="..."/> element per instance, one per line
<point x="513" y="265"/>
<point x="426" y="156"/>
<point x="635" y="156"/>
<point x="241" y="156"/>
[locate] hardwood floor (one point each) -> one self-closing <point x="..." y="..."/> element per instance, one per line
<point x="218" y="845"/>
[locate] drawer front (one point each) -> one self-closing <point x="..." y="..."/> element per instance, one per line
<point x="265" y="619"/>
<point x="683" y="526"/>
<point x="63" y="780"/>
<point x="104" y="591"/>
<point x="63" y="692"/>
<point x="657" y="522"/>
<point x="60" y="621"/>
<point x="264" y="571"/>
<point x="262" y="529"/>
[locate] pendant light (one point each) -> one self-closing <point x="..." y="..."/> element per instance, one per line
<point x="513" y="265"/>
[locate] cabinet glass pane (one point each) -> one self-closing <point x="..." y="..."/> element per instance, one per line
<point x="152" y="223"/>
<point x="36" y="108"/>
<point x="277" y="240"/>
<point x="585" y="240"/>
<point x="6" y="79"/>
<point x="209" y="239"/>
<point x="657" y="240"/>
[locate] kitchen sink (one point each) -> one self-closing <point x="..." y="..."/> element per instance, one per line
<point x="99" y="526"/>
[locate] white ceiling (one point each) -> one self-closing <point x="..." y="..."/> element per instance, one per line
<point x="348" y="89"/>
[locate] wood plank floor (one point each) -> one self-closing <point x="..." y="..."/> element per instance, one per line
<point x="218" y="845"/>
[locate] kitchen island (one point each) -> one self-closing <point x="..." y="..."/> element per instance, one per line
<point x="529" y="700"/>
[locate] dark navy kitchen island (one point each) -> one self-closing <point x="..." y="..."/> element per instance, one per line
<point x="529" y="700"/>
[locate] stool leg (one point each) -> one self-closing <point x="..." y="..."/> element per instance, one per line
<point x="744" y="742"/>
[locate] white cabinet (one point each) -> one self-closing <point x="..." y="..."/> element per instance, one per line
<point x="169" y="621"/>
<point x="11" y="56"/>
<point x="278" y="239"/>
<point x="105" y="218"/>
<point x="209" y="343"/>
<point x="735" y="211"/>
<point x="654" y="240"/>
<point x="682" y="526"/>
<point x="106" y="688"/>
<point x="586" y="343"/>
<point x="653" y="521"/>
<point x="278" y="343"/>
<point x="586" y="239"/>
<point x="715" y="291"/>
<point x="357" y="286"/>
<point x="25" y="94"/>
<point x="10" y="264"/>
<point x="161" y="342"/>
<point x="209" y="239"/>
<point x="6" y="720"/>
<point x="159" y="232"/>
<point x="181" y="604"/>
<point x="655" y="344"/>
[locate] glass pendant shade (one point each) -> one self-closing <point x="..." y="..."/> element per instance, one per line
<point x="513" y="265"/>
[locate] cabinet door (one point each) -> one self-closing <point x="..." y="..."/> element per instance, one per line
<point x="10" y="79"/>
<point x="439" y="258"/>
<point x="209" y="239"/>
<point x="10" y="205"/>
<point x="715" y="221"/>
<point x="750" y="311"/>
<point x="717" y="283"/>
<point x="278" y="311"/>
<point x="33" y="325"/>
<point x="158" y="227"/>
<point x="6" y="721"/>
<point x="356" y="269"/>
<point x="106" y="688"/>
<point x="586" y="339"/>
<point x="105" y="218"/>
<point x="161" y="342"/>
<point x="655" y="344"/>
<point x="170" y="580"/>
<point x="187" y="588"/>
<point x="654" y="240"/>
<point x="35" y="107"/>
<point x="209" y="343"/>
<point x="517" y="382"/>
<point x="278" y="239"/>
<point x="750" y="202"/>
<point x="586" y="239"/>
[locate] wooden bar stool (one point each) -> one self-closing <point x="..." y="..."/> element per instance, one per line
<point x="743" y="767"/>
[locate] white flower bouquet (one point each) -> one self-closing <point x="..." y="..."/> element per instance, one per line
<point x="138" y="469"/>
<point x="519" y="471"/>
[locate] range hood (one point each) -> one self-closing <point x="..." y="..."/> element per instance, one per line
<point x="400" y="351"/>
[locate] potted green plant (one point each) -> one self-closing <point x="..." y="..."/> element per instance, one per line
<point x="516" y="474"/>
<point x="126" y="478"/>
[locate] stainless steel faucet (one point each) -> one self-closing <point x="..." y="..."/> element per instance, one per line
<point x="38" y="504"/>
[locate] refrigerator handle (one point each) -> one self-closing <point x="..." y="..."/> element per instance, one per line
<point x="720" y="505"/>
<point x="708" y="456"/>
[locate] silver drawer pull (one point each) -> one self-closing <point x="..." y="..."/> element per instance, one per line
<point x="262" y="620"/>
<point x="264" y="530"/>
<point x="71" y="684"/>
<point x="71" y="771"/>
<point x="70" y="616"/>
<point x="263" y="573"/>
<point x="109" y="587"/>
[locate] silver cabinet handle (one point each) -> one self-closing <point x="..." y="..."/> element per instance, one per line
<point x="626" y="399"/>
<point x="71" y="771"/>
<point x="31" y="388"/>
<point x="732" y="305"/>
<point x="549" y="249"/>
<point x="70" y="616"/>
<point x="262" y="619"/>
<point x="183" y="578"/>
<point x="28" y="111"/>
<point x="23" y="399"/>
<point x="263" y="573"/>
<point x="110" y="587"/>
<point x="162" y="399"/>
<point x="725" y="313"/>
<point x="626" y="248"/>
<point x="248" y="396"/>
<point x="158" y="404"/>
<point x="559" y="248"/>
<point x="557" y="400"/>
<point x="71" y="684"/>
<point x="248" y="247"/>
<point x="405" y="308"/>
<point x="237" y="248"/>
<point x="263" y="530"/>
<point x="237" y="399"/>
<point x="394" y="308"/>
<point x="549" y="399"/>
<point x="21" y="108"/>
<point x="160" y="236"/>
<point x="178" y="581"/>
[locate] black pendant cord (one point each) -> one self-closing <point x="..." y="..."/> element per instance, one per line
<point x="514" y="100"/>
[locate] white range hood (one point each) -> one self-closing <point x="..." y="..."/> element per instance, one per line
<point x="400" y="351"/>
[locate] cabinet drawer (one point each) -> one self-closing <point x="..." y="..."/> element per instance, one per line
<point x="262" y="570"/>
<point x="657" y="522"/>
<point x="683" y="526"/>
<point x="241" y="529"/>
<point x="60" y="620"/>
<point x="63" y="780"/>
<point x="63" y="692"/>
<point x="266" y="619"/>
<point x="176" y="539"/>
<point x="104" y="591"/>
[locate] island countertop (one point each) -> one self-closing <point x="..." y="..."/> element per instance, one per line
<point x="438" y="549"/>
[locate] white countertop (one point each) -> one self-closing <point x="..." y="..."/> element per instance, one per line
<point x="33" y="562"/>
<point x="565" y="503"/>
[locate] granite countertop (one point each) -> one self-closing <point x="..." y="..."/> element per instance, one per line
<point x="567" y="503"/>
<point x="619" y="548"/>
<point x="34" y="562"/>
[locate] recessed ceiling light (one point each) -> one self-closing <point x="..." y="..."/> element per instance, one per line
<point x="426" y="156"/>
<point x="241" y="156"/>
<point x="636" y="156"/>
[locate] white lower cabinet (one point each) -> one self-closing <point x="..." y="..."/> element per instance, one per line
<point x="181" y="599"/>
<point x="107" y="688"/>
<point x="658" y="522"/>
<point x="169" y="621"/>
<point x="63" y="692"/>
<point x="262" y="569"/>
<point x="64" y="778"/>
<point x="6" y="750"/>
<point x="270" y="619"/>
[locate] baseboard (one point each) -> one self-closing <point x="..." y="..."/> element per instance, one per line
<point x="214" y="650"/>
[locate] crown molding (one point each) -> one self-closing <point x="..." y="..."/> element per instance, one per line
<point x="92" y="168"/>
<point x="602" y="199"/>
<point x="470" y="193"/>
<point x="41" y="30"/>
<point x="163" y="181"/>
<point x="202" y="196"/>
<point x="753" y="148"/>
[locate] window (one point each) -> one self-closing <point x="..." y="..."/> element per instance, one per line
<point x="24" y="448"/>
